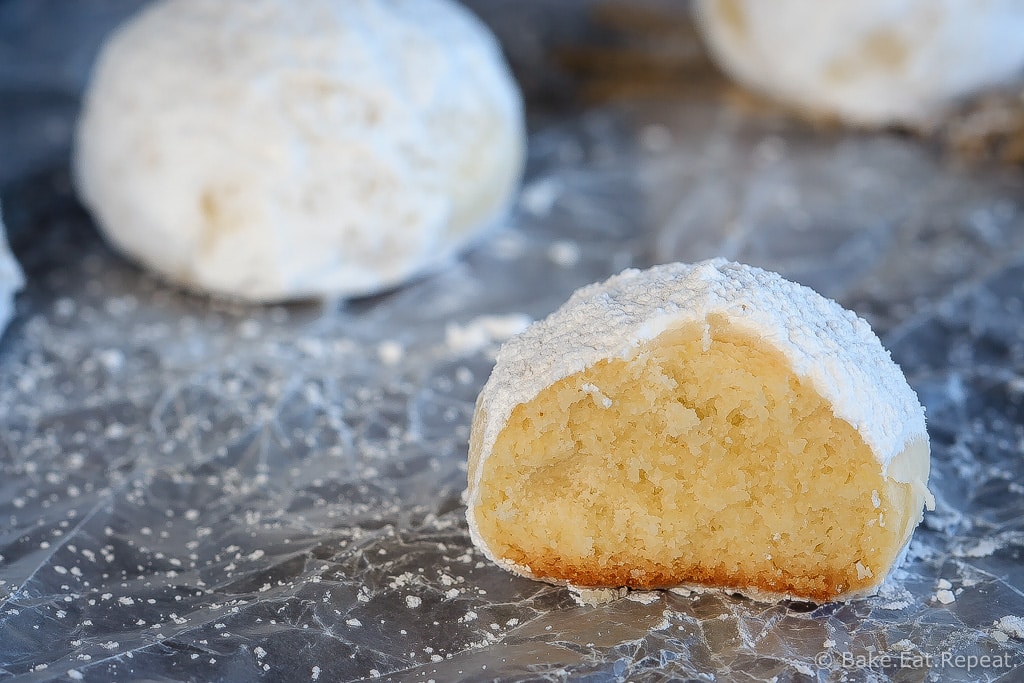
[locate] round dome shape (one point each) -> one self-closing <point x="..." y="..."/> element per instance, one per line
<point x="271" y="150"/>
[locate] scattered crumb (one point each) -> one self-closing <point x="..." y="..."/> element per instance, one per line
<point x="905" y="645"/>
<point x="539" y="197"/>
<point x="413" y="601"/>
<point x="250" y="329"/>
<point x="390" y="352"/>
<point x="483" y="331"/>
<point x="655" y="137"/>
<point x="982" y="548"/>
<point x="895" y="605"/>
<point x="945" y="596"/>
<point x="803" y="668"/>
<point x="644" y="597"/>
<point x="564" y="253"/>
<point x="596" y="596"/>
<point x="1012" y="626"/>
<point x="508" y="245"/>
<point x="895" y="597"/>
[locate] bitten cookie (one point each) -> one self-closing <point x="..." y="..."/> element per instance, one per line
<point x="271" y="149"/>
<point x="868" y="62"/>
<point x="711" y="425"/>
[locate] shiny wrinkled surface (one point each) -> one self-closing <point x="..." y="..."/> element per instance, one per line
<point x="191" y="489"/>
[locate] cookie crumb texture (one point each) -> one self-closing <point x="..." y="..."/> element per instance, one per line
<point x="699" y="456"/>
<point x="271" y="150"/>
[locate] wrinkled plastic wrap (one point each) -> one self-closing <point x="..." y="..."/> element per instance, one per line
<point x="195" y="490"/>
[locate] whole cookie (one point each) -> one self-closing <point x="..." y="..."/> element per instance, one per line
<point x="271" y="150"/>
<point x="869" y="62"/>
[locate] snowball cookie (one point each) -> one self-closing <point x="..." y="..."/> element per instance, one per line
<point x="710" y="425"/>
<point x="11" y="279"/>
<point x="869" y="62"/>
<point x="271" y="149"/>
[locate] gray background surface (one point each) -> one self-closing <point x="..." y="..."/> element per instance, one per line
<point x="193" y="490"/>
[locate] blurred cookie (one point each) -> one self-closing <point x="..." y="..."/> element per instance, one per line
<point x="867" y="62"/>
<point x="271" y="150"/>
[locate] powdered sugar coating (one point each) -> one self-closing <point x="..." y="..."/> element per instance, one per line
<point x="270" y="150"/>
<point x="825" y="343"/>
